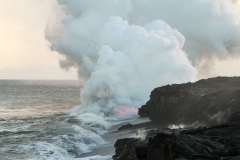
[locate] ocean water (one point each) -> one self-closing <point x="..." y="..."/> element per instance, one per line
<point x="27" y="98"/>
<point x="35" y="123"/>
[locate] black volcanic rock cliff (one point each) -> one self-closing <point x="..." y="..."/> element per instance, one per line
<point x="216" y="142"/>
<point x="206" y="101"/>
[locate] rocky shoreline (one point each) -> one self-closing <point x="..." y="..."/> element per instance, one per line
<point x="217" y="142"/>
<point x="212" y="102"/>
<point x="205" y="102"/>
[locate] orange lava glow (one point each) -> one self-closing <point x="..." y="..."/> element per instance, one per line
<point x="127" y="110"/>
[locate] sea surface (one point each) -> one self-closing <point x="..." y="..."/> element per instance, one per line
<point x="35" y="123"/>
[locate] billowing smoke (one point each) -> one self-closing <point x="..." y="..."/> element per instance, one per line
<point x="125" y="48"/>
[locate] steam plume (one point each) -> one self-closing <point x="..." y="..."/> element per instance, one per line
<point x="125" y="48"/>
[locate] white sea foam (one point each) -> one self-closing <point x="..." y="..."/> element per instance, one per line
<point x="176" y="126"/>
<point x="67" y="146"/>
<point x="57" y="137"/>
<point x="141" y="133"/>
<point x="47" y="151"/>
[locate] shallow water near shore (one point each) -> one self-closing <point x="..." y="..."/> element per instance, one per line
<point x="35" y="123"/>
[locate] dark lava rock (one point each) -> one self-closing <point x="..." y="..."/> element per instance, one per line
<point x="126" y="126"/>
<point x="125" y="149"/>
<point x="204" y="102"/>
<point x="235" y="117"/>
<point x="216" y="142"/>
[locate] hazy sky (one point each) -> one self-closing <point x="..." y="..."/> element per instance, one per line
<point x="24" y="52"/>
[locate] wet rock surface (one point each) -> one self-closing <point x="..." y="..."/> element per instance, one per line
<point x="216" y="142"/>
<point x="235" y="117"/>
<point x="124" y="127"/>
<point x="204" y="102"/>
<point x="213" y="102"/>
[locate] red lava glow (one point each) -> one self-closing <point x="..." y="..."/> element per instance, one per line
<point x="127" y="110"/>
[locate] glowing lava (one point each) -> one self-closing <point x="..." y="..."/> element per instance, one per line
<point x="127" y="110"/>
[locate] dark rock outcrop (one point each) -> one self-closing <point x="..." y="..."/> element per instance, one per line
<point x="217" y="142"/>
<point x="125" y="149"/>
<point x="204" y="102"/>
<point x="235" y="117"/>
<point x="124" y="127"/>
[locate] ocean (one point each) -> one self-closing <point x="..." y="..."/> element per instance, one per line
<point x="35" y="123"/>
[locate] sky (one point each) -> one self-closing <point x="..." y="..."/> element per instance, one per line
<point x="25" y="53"/>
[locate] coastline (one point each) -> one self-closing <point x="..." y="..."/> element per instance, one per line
<point x="212" y="130"/>
<point x="113" y="134"/>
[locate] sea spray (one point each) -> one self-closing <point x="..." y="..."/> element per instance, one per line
<point x="61" y="137"/>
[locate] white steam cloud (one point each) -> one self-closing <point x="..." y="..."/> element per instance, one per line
<point x="125" y="48"/>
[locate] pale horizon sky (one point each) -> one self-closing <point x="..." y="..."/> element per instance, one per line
<point x="25" y="53"/>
